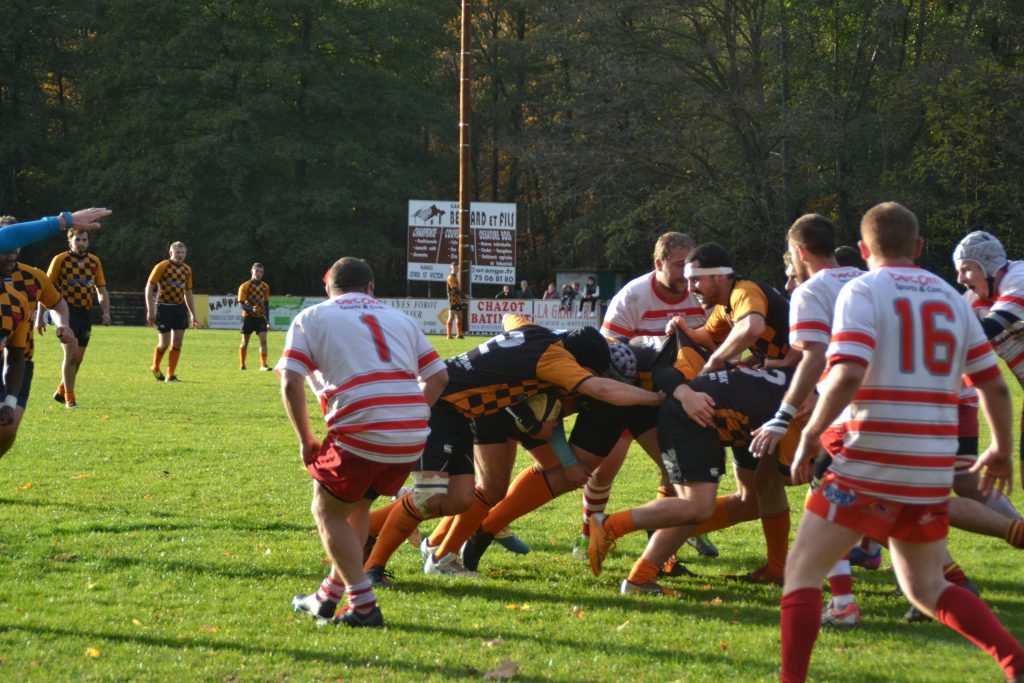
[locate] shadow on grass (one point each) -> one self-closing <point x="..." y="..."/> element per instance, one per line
<point x="454" y="672"/>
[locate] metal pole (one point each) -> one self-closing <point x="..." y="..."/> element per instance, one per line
<point x="465" y="237"/>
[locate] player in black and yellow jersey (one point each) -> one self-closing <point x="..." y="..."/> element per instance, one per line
<point x="523" y="361"/>
<point x="456" y="304"/>
<point x="77" y="275"/>
<point x="15" y="327"/>
<point x="169" y="306"/>
<point x="745" y="316"/>
<point x="254" y="298"/>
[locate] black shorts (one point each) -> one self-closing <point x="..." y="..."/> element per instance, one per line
<point x="599" y="425"/>
<point x="171" y="317"/>
<point x="744" y="400"/>
<point x="251" y="323"/>
<point x="498" y="428"/>
<point x="80" y="322"/>
<point x="457" y="307"/>
<point x="26" y="384"/>
<point x="450" y="444"/>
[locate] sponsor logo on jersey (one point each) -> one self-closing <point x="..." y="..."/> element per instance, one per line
<point x="837" y="496"/>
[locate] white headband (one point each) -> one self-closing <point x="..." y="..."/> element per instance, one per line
<point x="690" y="271"/>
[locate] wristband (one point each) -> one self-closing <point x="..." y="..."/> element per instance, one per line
<point x="11" y="401"/>
<point x="68" y="221"/>
<point x="786" y="412"/>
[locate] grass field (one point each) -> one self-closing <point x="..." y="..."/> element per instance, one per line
<point x="158" y="533"/>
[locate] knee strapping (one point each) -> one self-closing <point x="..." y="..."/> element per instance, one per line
<point x="425" y="487"/>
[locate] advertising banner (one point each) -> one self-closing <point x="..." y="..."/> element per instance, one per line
<point x="225" y="312"/>
<point x="433" y="241"/>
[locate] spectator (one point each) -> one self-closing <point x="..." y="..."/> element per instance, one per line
<point x="591" y="293"/>
<point x="505" y="293"/>
<point x="550" y="292"/>
<point x="524" y="291"/>
<point x="568" y="297"/>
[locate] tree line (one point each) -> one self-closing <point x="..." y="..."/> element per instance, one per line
<point x="294" y="131"/>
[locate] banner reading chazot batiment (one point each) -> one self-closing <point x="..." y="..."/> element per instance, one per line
<point x="484" y="314"/>
<point x="433" y="241"/>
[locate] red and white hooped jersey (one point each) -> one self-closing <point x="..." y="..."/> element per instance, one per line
<point x="1009" y="298"/>
<point x="918" y="337"/>
<point x="814" y="303"/>
<point x="363" y="359"/>
<point x="638" y="310"/>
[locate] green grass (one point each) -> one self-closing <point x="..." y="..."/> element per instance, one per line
<point x="167" y="527"/>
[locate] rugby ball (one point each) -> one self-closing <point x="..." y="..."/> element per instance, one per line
<point x="544" y="406"/>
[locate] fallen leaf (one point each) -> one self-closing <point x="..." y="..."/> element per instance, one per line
<point x="27" y="485"/>
<point x="90" y="587"/>
<point x="136" y="622"/>
<point x="104" y="417"/>
<point x="724" y="645"/>
<point x="577" y="612"/>
<point x="715" y="601"/>
<point x="506" y="670"/>
<point x="148" y="496"/>
<point x="493" y="643"/>
<point x="83" y="475"/>
<point x="227" y="554"/>
<point x="622" y="626"/>
<point x="92" y="652"/>
<point x="207" y="628"/>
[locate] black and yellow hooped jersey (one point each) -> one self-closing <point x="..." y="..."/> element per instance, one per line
<point x="173" y="279"/>
<point x="675" y="351"/>
<point x="76" y="277"/>
<point x="14" y="323"/>
<point x="524" y="360"/>
<point x="749" y="297"/>
<point x="454" y="293"/>
<point x="36" y="287"/>
<point x="253" y="297"/>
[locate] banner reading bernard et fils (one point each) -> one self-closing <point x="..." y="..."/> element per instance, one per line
<point x="433" y="241"/>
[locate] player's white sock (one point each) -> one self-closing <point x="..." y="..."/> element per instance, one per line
<point x="1001" y="504"/>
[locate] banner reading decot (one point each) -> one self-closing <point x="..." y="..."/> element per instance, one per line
<point x="433" y="241"/>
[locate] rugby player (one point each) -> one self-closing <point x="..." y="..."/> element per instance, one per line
<point x="77" y="275"/>
<point x="254" y="298"/>
<point x="640" y="309"/>
<point x="170" y="288"/>
<point x="375" y="384"/>
<point x="902" y="339"/>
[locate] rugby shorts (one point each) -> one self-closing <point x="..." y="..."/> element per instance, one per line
<point x="880" y="519"/>
<point x="349" y="477"/>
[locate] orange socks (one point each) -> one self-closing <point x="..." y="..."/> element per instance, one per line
<point x="438" y="534"/>
<point x="464" y="525"/>
<point x="528" y="492"/>
<point x="172" y="362"/>
<point x="448" y="330"/>
<point x="402" y="521"/>
<point x="263" y="359"/>
<point x="379" y="516"/>
<point x="643" y="571"/>
<point x="241" y="357"/>
<point x="619" y="524"/>
<point x="721" y="519"/>
<point x="776" y="537"/>
<point x="158" y="356"/>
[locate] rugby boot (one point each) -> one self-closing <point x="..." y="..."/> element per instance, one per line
<point x="372" y="619"/>
<point x="703" y="545"/>
<point x="474" y="548"/>
<point x="379" y="577"/>
<point x="601" y="543"/>
<point x="510" y="542"/>
<point x="650" y="588"/>
<point x="448" y="566"/>
<point x="674" y="568"/>
<point x="760" y="576"/>
<point x="319" y="610"/>
<point x="846" y="618"/>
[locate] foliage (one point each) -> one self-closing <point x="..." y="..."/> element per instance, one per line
<point x="295" y="131"/>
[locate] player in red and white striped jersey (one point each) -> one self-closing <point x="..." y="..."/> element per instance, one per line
<point x="641" y="309"/>
<point x="376" y="376"/>
<point x="901" y="341"/>
<point x="995" y="290"/>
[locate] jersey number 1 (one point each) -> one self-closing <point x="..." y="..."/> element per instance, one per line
<point x="933" y="339"/>
<point x="378" y="337"/>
